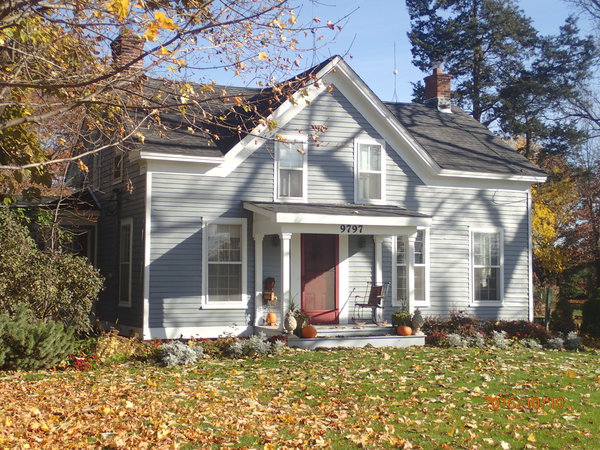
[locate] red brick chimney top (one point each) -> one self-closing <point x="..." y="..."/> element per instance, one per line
<point x="126" y="48"/>
<point x="437" y="85"/>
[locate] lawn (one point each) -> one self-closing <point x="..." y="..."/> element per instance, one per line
<point x="424" y="397"/>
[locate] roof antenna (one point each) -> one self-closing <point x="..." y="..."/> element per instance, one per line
<point x="314" y="37"/>
<point x="395" y="96"/>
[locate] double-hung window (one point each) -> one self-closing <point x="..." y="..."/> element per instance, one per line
<point x="226" y="263"/>
<point x="125" y="252"/>
<point x="486" y="266"/>
<point x="420" y="270"/>
<point x="291" y="170"/>
<point x="369" y="157"/>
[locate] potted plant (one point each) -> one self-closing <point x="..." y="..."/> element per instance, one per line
<point x="402" y="320"/>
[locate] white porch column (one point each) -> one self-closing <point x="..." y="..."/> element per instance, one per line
<point x="411" y="272"/>
<point x="285" y="275"/>
<point x="378" y="258"/>
<point x="258" y="278"/>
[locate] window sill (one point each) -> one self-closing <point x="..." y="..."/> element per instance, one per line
<point x="486" y="303"/>
<point x="291" y="199"/>
<point x="225" y="305"/>
<point x="124" y="305"/>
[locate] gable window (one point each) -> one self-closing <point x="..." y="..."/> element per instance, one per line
<point x="125" y="250"/>
<point x="369" y="157"/>
<point x="291" y="170"/>
<point x="118" y="166"/>
<point x="96" y="170"/>
<point x="420" y="270"/>
<point x="226" y="262"/>
<point x="486" y="265"/>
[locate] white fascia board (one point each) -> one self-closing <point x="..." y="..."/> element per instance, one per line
<point x="388" y="126"/>
<point x="529" y="179"/>
<point x="282" y="115"/>
<point x="328" y="219"/>
<point x="157" y="156"/>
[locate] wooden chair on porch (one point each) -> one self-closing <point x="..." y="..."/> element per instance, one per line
<point x="374" y="294"/>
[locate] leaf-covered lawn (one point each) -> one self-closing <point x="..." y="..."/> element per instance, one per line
<point x="342" y="399"/>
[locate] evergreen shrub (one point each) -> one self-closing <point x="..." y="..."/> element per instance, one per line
<point x="591" y="315"/>
<point x="28" y="343"/>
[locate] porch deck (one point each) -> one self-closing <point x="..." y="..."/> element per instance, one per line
<point x="330" y="336"/>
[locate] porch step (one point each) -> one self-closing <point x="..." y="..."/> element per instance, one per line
<point x="356" y="341"/>
<point x="353" y="330"/>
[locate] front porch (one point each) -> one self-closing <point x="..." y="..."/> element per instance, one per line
<point x="332" y="336"/>
<point x="322" y="257"/>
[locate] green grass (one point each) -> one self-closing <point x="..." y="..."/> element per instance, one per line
<point x="372" y="398"/>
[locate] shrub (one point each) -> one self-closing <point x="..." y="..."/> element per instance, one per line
<point x="561" y="318"/>
<point x="531" y="343"/>
<point x="458" y="323"/>
<point x="591" y="315"/>
<point x="499" y="339"/>
<point x="477" y="340"/>
<point x="256" y="345"/>
<point x="572" y="341"/>
<point x="27" y="343"/>
<point x="56" y="286"/>
<point x="455" y="340"/>
<point x="436" y="339"/>
<point x="111" y="347"/>
<point x="177" y="353"/>
<point x="555" y="343"/>
<point x="401" y="317"/>
<point x="520" y="329"/>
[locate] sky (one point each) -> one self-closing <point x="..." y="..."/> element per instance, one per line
<point x="374" y="27"/>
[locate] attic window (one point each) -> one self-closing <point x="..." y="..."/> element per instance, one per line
<point x="118" y="166"/>
<point x="291" y="170"/>
<point x="369" y="162"/>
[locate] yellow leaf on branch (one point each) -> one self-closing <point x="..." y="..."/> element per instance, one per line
<point x="263" y="56"/>
<point x="119" y="7"/>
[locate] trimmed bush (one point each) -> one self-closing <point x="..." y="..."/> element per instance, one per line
<point x="561" y="319"/>
<point x="556" y="343"/>
<point x="591" y="315"/>
<point x="27" y="343"/>
<point x="256" y="345"/>
<point x="177" y="353"/>
<point x="499" y="339"/>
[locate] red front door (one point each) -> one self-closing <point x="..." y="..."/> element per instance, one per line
<point x="320" y="278"/>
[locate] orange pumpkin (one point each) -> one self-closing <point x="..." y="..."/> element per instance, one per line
<point x="403" y="330"/>
<point x="309" y="332"/>
<point x="271" y="318"/>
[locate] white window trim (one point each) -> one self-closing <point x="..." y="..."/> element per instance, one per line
<point x="297" y="139"/>
<point x="472" y="301"/>
<point x="126" y="221"/>
<point x="357" y="199"/>
<point x="96" y="170"/>
<point x="116" y="154"/>
<point x="425" y="302"/>
<point x="411" y="269"/>
<point x="243" y="303"/>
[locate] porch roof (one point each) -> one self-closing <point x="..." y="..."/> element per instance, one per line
<point x="331" y="214"/>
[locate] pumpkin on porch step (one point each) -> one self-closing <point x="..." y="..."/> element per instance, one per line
<point x="404" y="330"/>
<point x="309" y="332"/>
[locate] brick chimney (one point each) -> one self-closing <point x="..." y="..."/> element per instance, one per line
<point x="127" y="47"/>
<point x="437" y="90"/>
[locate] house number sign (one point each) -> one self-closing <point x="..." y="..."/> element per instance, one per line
<point x="351" y="229"/>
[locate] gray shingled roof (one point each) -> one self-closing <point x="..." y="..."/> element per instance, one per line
<point x="336" y="210"/>
<point x="456" y="141"/>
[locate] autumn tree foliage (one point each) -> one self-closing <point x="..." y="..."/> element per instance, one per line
<point x="63" y="96"/>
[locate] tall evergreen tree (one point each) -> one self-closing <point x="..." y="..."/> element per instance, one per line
<point x="482" y="43"/>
